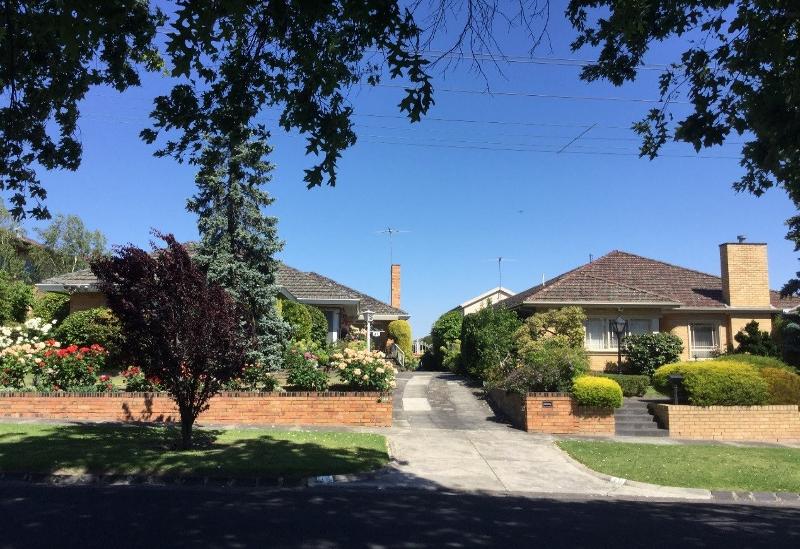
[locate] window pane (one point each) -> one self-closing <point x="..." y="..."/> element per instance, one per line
<point x="595" y="333"/>
<point x="703" y="336"/>
<point x="639" y="326"/>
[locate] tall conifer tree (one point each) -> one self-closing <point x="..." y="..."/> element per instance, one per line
<point x="238" y="241"/>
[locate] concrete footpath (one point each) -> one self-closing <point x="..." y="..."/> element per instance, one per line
<point x="446" y="436"/>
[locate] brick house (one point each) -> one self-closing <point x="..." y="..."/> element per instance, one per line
<point x="343" y="306"/>
<point x="704" y="310"/>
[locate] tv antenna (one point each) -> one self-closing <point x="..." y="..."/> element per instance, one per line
<point x="500" y="259"/>
<point x="390" y="232"/>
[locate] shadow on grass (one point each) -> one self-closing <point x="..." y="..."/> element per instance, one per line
<point x="152" y="450"/>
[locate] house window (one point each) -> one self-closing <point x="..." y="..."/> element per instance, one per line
<point x="703" y="340"/>
<point x="599" y="336"/>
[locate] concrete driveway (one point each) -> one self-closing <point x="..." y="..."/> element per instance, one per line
<point x="446" y="436"/>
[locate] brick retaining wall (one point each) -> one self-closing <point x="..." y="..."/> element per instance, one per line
<point x="554" y="413"/>
<point x="333" y="408"/>
<point x="747" y="423"/>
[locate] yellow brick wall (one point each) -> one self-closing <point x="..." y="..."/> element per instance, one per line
<point x="743" y="423"/>
<point x="83" y="301"/>
<point x="745" y="277"/>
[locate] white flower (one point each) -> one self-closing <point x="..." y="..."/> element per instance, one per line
<point x="357" y="372"/>
<point x="379" y="370"/>
<point x="365" y="378"/>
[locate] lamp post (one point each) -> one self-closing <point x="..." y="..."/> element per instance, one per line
<point x="619" y="327"/>
<point x="368" y="315"/>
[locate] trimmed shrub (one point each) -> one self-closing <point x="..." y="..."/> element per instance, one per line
<point x="444" y="331"/>
<point x="784" y="386"/>
<point x="753" y="341"/>
<point x="51" y="306"/>
<point x="646" y="352"/>
<point x="599" y="392"/>
<point x="757" y="362"/>
<point x="85" y="328"/>
<point x="299" y="318"/>
<point x="400" y="331"/>
<point x="319" y="325"/>
<point x="632" y="385"/>
<point x="716" y="383"/>
<point x="487" y="340"/>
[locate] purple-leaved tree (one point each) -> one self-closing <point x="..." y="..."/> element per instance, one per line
<point x="181" y="328"/>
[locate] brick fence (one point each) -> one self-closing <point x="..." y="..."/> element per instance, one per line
<point x="778" y="423"/>
<point x="331" y="408"/>
<point x="555" y="413"/>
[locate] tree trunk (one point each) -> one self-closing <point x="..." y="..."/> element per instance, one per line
<point x="187" y="422"/>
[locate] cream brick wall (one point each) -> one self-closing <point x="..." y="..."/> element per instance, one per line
<point x="83" y="301"/>
<point x="745" y="277"/>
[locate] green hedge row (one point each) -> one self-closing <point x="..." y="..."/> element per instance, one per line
<point x="632" y="385"/>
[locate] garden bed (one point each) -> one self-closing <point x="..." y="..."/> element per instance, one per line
<point x="151" y="450"/>
<point x="370" y="409"/>
<point x="554" y="413"/>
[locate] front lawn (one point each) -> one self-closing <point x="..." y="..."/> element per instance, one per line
<point x="714" y="467"/>
<point x="149" y="450"/>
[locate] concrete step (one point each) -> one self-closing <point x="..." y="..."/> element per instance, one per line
<point x="642" y="433"/>
<point x="644" y="424"/>
<point x="631" y="412"/>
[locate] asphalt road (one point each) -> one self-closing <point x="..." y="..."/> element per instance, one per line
<point x="335" y="516"/>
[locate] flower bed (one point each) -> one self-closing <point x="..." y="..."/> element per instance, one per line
<point x="371" y="409"/>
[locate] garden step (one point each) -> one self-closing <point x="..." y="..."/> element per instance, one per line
<point x="632" y="412"/>
<point x="642" y="424"/>
<point x="642" y="433"/>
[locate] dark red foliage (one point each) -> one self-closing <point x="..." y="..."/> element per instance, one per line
<point x="182" y="329"/>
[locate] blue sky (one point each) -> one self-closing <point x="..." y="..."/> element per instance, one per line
<point x="463" y="197"/>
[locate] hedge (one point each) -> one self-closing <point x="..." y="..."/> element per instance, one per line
<point x="51" y="306"/>
<point x="319" y="325"/>
<point x="600" y="392"/>
<point x="632" y="385"/>
<point x="716" y="383"/>
<point x="756" y="361"/>
<point x="784" y="386"/>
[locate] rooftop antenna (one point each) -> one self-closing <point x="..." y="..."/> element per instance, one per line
<point x="741" y="238"/>
<point x="500" y="259"/>
<point x="591" y="258"/>
<point x="390" y="231"/>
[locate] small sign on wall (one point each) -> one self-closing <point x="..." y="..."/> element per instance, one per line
<point x="547" y="404"/>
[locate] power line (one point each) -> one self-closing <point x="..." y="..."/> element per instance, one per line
<point x="545" y="151"/>
<point x="539" y="95"/>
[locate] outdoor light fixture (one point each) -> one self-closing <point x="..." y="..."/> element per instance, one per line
<point x="368" y="316"/>
<point x="619" y="327"/>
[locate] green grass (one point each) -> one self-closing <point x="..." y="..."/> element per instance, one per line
<point x="150" y="450"/>
<point x="713" y="467"/>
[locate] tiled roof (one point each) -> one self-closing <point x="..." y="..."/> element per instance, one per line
<point x="621" y="277"/>
<point x="302" y="285"/>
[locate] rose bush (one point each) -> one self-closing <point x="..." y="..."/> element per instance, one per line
<point x="68" y="368"/>
<point x="20" y="347"/>
<point x="365" y="370"/>
<point x="137" y="382"/>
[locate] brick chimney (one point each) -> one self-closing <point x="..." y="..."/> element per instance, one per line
<point x="745" y="280"/>
<point x="395" y="286"/>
